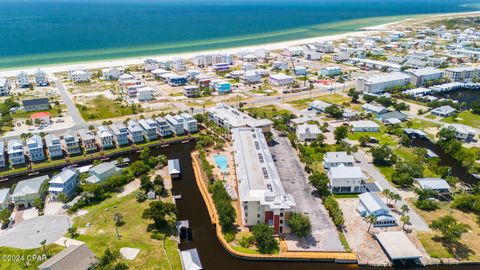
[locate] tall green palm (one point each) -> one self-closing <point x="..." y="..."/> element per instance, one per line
<point x="404" y="209"/>
<point x="371" y="219"/>
<point x="405" y="219"/>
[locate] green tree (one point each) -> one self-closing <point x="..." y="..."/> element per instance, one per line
<point x="363" y="140"/>
<point x="138" y="168"/>
<point x="264" y="240"/>
<point x="383" y="156"/>
<point x="63" y="198"/>
<point x="371" y="219"/>
<point x="300" y="224"/>
<point x="450" y="229"/>
<point x="5" y="217"/>
<point x="353" y="94"/>
<point x="72" y="231"/>
<point x="320" y="182"/>
<point x="405" y="220"/>
<point x="334" y="111"/>
<point x="39" y="204"/>
<point x="145" y="154"/>
<point x="163" y="214"/>
<point x="340" y="133"/>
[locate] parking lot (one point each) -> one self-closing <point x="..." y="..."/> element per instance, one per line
<point x="295" y="181"/>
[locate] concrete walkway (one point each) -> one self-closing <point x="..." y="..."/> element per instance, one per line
<point x="415" y="219"/>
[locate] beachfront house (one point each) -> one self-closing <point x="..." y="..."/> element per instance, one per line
<point x="112" y="73"/>
<point x="2" y="154"/>
<point x="308" y="132"/>
<point x="71" y="143"/>
<point x="163" y="128"/>
<point x="80" y="76"/>
<point x="26" y="191"/>
<point x="102" y="172"/>
<point x="22" y="79"/>
<point x="16" y="154"/>
<point x="150" y="64"/>
<point x="190" y="124"/>
<point x="54" y="146"/>
<point x="5" y="87"/>
<point x="36" y="104"/>
<point x="4" y="198"/>
<point x="176" y="123"/>
<point x="372" y="204"/>
<point x="149" y="128"/>
<point x="335" y="159"/>
<point x="281" y="79"/>
<point x="365" y="126"/>
<point x="443" y="111"/>
<point x="65" y="182"/>
<point x="105" y="137"/>
<point x="41" y="78"/>
<point x="89" y="143"/>
<point x="120" y="134"/>
<point x="345" y="179"/>
<point x="135" y="132"/>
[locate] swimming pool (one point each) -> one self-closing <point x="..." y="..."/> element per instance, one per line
<point x="222" y="162"/>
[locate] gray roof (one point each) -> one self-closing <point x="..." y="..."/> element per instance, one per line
<point x="190" y="259"/>
<point x="391" y="115"/>
<point x="338" y="157"/>
<point x="398" y="246"/>
<point x="102" y="167"/>
<point x="50" y="138"/>
<point x="432" y="183"/>
<point x="342" y="172"/>
<point x="173" y="166"/>
<point x="372" y="202"/>
<point x="35" y="101"/>
<point x="30" y="186"/>
<point x="64" y="175"/>
<point x="3" y="194"/>
<point x="74" y="257"/>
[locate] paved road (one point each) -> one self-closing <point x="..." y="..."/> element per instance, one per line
<point x="30" y="233"/>
<point x="415" y="219"/>
<point x="295" y="182"/>
<point x="72" y="109"/>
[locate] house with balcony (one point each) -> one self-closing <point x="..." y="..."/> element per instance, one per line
<point x="65" y="182"/>
<point x="102" y="172"/>
<point x="372" y="204"/>
<point x="135" y="132"/>
<point x="176" y="123"/>
<point x="149" y="128"/>
<point x="15" y="152"/>
<point x="54" y="146"/>
<point x="71" y="144"/>
<point x="35" y="148"/>
<point x="105" y="137"/>
<point x="190" y="124"/>
<point x="41" y="78"/>
<point x="89" y="143"/>
<point x="26" y="191"/>
<point x="120" y="134"/>
<point x="163" y="128"/>
<point x="347" y="179"/>
<point x="335" y="159"/>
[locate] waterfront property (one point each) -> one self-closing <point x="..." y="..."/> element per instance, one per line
<point x="23" y="80"/>
<point x="380" y="83"/>
<point x="26" y="191"/>
<point x="4" y="198"/>
<point x="41" y="78"/>
<point x="71" y="143"/>
<point x="347" y="179"/>
<point x="65" y="182"/>
<point x="307" y="132"/>
<point x="54" y="146"/>
<point x="120" y="134"/>
<point x="163" y="128"/>
<point x="74" y="257"/>
<point x="174" y="168"/>
<point x="2" y="154"/>
<point x="462" y="132"/>
<point x="105" y="137"/>
<point x="440" y="186"/>
<point x="222" y="162"/>
<point x="335" y="159"/>
<point x="112" y="73"/>
<point x="135" y="132"/>
<point x="462" y="74"/>
<point x="191" y="260"/>
<point x="229" y="117"/>
<point x="176" y="124"/>
<point x="190" y="124"/>
<point x="15" y="152"/>
<point x="89" y="143"/>
<point x="262" y="197"/>
<point x="398" y="246"/>
<point x="102" y="172"/>
<point x="423" y="75"/>
<point x="365" y="126"/>
<point x="149" y="128"/>
<point x="36" y="104"/>
<point x="79" y="76"/>
<point x="372" y="204"/>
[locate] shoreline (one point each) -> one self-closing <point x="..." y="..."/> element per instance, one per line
<point x="97" y="64"/>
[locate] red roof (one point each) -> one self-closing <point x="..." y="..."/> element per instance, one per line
<point x="40" y="115"/>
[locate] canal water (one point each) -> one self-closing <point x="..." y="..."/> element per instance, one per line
<point x="191" y="207"/>
<point x="463" y="95"/>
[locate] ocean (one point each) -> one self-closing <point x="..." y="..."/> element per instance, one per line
<point x="47" y="32"/>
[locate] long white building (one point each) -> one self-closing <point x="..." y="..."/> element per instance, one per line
<point x="229" y="117"/>
<point x="423" y="75"/>
<point x="261" y="193"/>
<point x="462" y="74"/>
<point x="378" y="84"/>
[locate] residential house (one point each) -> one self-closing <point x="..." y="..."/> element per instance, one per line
<point x="300" y="71"/>
<point x="440" y="186"/>
<point x="112" y="73"/>
<point x="178" y="64"/>
<point x="443" y="111"/>
<point x="149" y="128"/>
<point x="102" y="172"/>
<point x="145" y="93"/>
<point x="2" y="154"/>
<point x="36" y="104"/>
<point x="105" y="137"/>
<point x="252" y="76"/>
<point x="54" y="146"/>
<point x="376" y="109"/>
<point x="71" y="144"/>
<point x="80" y="76"/>
<point x="319" y="106"/>
<point x="307" y="132"/>
<point x="281" y="79"/>
<point x="462" y="132"/>
<point x="135" y="132"/>
<point x="330" y="71"/>
<point x="223" y="87"/>
<point x="26" y="191"/>
<point x="88" y="140"/>
<point x="41" y="78"/>
<point x="176" y="124"/>
<point x="190" y="124"/>
<point x="365" y="126"/>
<point x="5" y="87"/>
<point x="372" y="204"/>
<point x="191" y="91"/>
<point x="280" y="65"/>
<point x="23" y="80"/>
<point x="120" y="134"/>
<point x="73" y="257"/>
<point x="4" y="198"/>
<point x="150" y="64"/>
<point x="163" y="128"/>
<point x="65" y="182"/>
<point x="16" y="154"/>
<point x="347" y="179"/>
<point x="335" y="159"/>
<point x="392" y="117"/>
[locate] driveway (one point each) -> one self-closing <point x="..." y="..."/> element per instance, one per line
<point x="295" y="181"/>
<point x="72" y="109"/>
<point x="415" y="219"/>
<point x="30" y="233"/>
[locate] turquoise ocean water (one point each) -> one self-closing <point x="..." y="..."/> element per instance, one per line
<point x="46" y="32"/>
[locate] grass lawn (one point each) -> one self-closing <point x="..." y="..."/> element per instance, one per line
<point x="345" y="196"/>
<point x="335" y="98"/>
<point x="466" y="118"/>
<point x="9" y="263"/>
<point x="343" y="240"/>
<point x="381" y="136"/>
<point x="301" y="103"/>
<point x="431" y="116"/>
<point x="469" y="246"/>
<point x="133" y="234"/>
<point x="245" y="250"/>
<point x="422" y="124"/>
<point x="103" y="108"/>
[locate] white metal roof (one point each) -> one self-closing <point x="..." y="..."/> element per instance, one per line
<point x="398" y="246"/>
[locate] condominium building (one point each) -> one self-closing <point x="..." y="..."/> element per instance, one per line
<point x="462" y="74"/>
<point x="423" y="75"/>
<point x="380" y="83"/>
<point x="229" y="117"/>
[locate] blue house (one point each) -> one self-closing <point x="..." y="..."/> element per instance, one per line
<point x="300" y="71"/>
<point x="371" y="204"/>
<point x="64" y="182"/>
<point x="223" y="87"/>
<point x="177" y="80"/>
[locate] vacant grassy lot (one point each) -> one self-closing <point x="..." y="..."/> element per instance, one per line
<point x="331" y="98"/>
<point x="466" y="118"/>
<point x="9" y="263"/>
<point x="469" y="246"/>
<point x="101" y="234"/>
<point x="103" y="108"/>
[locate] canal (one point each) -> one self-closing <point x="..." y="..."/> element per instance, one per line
<point x="462" y="95"/>
<point x="191" y="207"/>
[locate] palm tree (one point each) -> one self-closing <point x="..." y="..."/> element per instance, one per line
<point x="386" y="193"/>
<point x="43" y="243"/>
<point x="405" y="219"/>
<point x="395" y="197"/>
<point x="371" y="219"/>
<point x="404" y="209"/>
